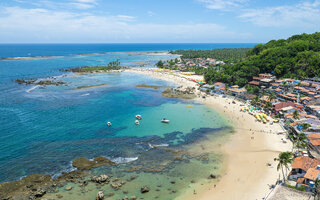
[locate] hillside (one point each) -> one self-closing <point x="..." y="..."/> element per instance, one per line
<point x="296" y="57"/>
<point x="228" y="55"/>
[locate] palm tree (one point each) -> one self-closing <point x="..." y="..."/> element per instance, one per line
<point x="268" y="106"/>
<point x="271" y="96"/>
<point x="295" y="114"/>
<point x="301" y="141"/>
<point x="255" y="101"/>
<point x="305" y="126"/>
<point x="284" y="159"/>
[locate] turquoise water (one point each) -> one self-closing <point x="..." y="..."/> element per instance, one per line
<point x="43" y="129"/>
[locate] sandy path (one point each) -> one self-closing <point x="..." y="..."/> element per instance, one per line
<point x="250" y="148"/>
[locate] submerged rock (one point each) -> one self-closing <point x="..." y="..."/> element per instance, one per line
<point x="86" y="164"/>
<point x="187" y="93"/>
<point x="26" y="186"/>
<point x="212" y="176"/>
<point x="116" y="185"/>
<point x="100" y="179"/>
<point x="100" y="195"/>
<point x="68" y="188"/>
<point x="144" y="189"/>
<point x="40" y="193"/>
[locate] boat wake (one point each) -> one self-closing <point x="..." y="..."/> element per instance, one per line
<point x="121" y="160"/>
<point x="33" y="88"/>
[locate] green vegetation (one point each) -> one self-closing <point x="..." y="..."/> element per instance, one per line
<point x="301" y="188"/>
<point x="297" y="57"/>
<point x="115" y="65"/>
<point x="284" y="160"/>
<point x="227" y="55"/>
<point x="252" y="89"/>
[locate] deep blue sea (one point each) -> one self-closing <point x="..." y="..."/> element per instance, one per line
<point x="42" y="129"/>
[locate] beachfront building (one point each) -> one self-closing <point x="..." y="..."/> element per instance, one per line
<point x="314" y="142"/>
<point x="309" y="179"/>
<point x="277" y="107"/>
<point x="314" y="110"/>
<point x="266" y="82"/>
<point x="237" y="91"/>
<point x="300" y="167"/>
<point x="219" y="87"/>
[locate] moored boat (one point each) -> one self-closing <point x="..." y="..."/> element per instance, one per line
<point x="139" y="117"/>
<point x="164" y="120"/>
<point x="137" y="122"/>
<point x="109" y="124"/>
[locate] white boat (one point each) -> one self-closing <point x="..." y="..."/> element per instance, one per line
<point x="164" y="120"/>
<point x="139" y="117"/>
<point x="109" y="124"/>
<point x="137" y="122"/>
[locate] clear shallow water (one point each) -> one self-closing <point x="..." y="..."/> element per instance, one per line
<point x="43" y="129"/>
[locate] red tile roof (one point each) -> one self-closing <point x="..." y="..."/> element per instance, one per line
<point x="254" y="83"/>
<point x="277" y="107"/>
<point x="218" y="83"/>
<point x="312" y="174"/>
<point x="314" y="139"/>
<point x="302" y="162"/>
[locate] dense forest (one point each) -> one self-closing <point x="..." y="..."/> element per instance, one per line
<point x="227" y="55"/>
<point x="297" y="57"/>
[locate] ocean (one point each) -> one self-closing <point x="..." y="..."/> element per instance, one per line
<point x="42" y="129"/>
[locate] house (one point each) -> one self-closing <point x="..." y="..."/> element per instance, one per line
<point x="254" y="83"/>
<point x="266" y="82"/>
<point x="278" y="106"/>
<point x="266" y="75"/>
<point x="314" y="140"/>
<point x="235" y="90"/>
<point x="219" y="87"/>
<point x="309" y="178"/>
<point x="300" y="167"/>
<point x="278" y="90"/>
<point x="314" y="109"/>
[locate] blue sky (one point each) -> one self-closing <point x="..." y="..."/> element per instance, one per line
<point x="149" y="21"/>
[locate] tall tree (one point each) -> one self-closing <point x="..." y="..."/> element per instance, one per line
<point x="284" y="159"/>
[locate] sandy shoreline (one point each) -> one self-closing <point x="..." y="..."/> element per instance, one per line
<point x="249" y="149"/>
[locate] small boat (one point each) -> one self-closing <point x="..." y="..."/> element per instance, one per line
<point x="164" y="120"/>
<point x="109" y="124"/>
<point x="139" y="117"/>
<point x="137" y="122"/>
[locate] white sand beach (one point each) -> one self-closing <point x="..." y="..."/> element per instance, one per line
<point x="250" y="148"/>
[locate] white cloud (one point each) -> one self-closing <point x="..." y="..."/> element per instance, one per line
<point x="44" y="25"/>
<point x="125" y="17"/>
<point x="305" y="14"/>
<point x="151" y="14"/>
<point x="84" y="4"/>
<point x="69" y="4"/>
<point x="226" y="5"/>
<point x="86" y="1"/>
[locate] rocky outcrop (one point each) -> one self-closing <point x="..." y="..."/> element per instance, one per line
<point x="100" y="195"/>
<point x="144" y="189"/>
<point x="187" y="93"/>
<point x="86" y="164"/>
<point x="150" y="86"/>
<point x="28" y="186"/>
<point x="100" y="179"/>
<point x="41" y="82"/>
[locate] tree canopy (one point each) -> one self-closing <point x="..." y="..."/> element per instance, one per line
<point x="228" y="55"/>
<point x="297" y="57"/>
